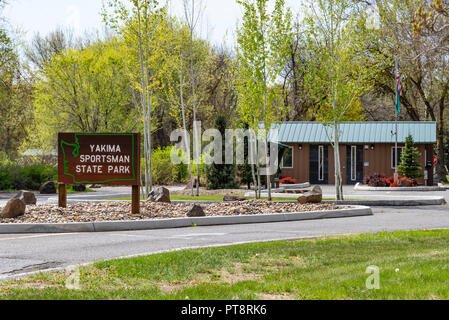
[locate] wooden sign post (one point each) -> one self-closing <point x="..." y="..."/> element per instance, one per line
<point x="99" y="158"/>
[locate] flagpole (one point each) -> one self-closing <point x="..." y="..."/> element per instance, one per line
<point x="396" y="175"/>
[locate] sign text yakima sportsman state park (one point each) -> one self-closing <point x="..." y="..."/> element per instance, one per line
<point x="99" y="158"/>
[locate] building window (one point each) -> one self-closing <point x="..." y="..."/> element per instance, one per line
<point x="393" y="156"/>
<point x="353" y="163"/>
<point x="321" y="163"/>
<point x="287" y="158"/>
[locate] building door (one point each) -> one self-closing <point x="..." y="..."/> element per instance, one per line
<point x="354" y="164"/>
<point x="319" y="164"/>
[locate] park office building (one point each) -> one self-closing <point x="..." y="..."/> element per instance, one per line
<point x="365" y="148"/>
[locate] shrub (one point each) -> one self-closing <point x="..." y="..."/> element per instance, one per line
<point x="26" y="177"/>
<point x="162" y="167"/>
<point x="220" y="175"/>
<point x="375" y="180"/>
<point x="287" y="180"/>
<point x="5" y="178"/>
<point x="390" y="182"/>
<point x="409" y="165"/>
<point x="164" y="171"/>
<point x="394" y="184"/>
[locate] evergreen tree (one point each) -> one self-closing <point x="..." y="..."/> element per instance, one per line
<point x="221" y="176"/>
<point x="244" y="169"/>
<point x="409" y="166"/>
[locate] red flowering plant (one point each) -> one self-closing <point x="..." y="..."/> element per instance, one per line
<point x="287" y="180"/>
<point x="378" y="180"/>
<point x="400" y="182"/>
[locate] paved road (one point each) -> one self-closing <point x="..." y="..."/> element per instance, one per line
<point x="25" y="253"/>
<point x="99" y="194"/>
<point x="328" y="192"/>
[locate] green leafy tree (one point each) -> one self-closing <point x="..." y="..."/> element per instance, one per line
<point x="417" y="33"/>
<point x="15" y="95"/>
<point x="138" y="22"/>
<point x="337" y="75"/>
<point x="409" y="166"/>
<point x="83" y="90"/>
<point x="192" y="11"/>
<point x="263" y="42"/>
<point x="221" y="176"/>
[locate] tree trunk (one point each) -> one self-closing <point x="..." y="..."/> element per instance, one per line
<point x="255" y="180"/>
<point x="268" y="176"/>
<point x="252" y="147"/>
<point x="441" y="171"/>
<point x="144" y="108"/>
<point x="337" y="169"/>
<point x="181" y="83"/>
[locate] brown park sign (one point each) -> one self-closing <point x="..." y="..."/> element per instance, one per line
<point x="98" y="158"/>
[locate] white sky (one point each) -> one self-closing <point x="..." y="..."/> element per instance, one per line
<point x="43" y="16"/>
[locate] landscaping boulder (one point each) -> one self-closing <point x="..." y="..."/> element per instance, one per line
<point x="14" y="208"/>
<point x="95" y="186"/>
<point x="160" y="194"/>
<point x="26" y="196"/>
<point x="196" y="211"/>
<point x="233" y="198"/>
<point x="48" y="188"/>
<point x="79" y="187"/>
<point x="313" y="196"/>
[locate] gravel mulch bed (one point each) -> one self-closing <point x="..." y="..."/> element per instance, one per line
<point x="121" y="210"/>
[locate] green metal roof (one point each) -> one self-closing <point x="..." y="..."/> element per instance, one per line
<point x="356" y="132"/>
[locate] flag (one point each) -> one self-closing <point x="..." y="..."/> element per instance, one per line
<point x="398" y="89"/>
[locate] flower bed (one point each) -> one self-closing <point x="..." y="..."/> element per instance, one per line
<point x="379" y="180"/>
<point x="287" y="180"/>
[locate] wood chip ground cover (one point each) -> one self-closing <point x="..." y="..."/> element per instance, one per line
<point x="121" y="210"/>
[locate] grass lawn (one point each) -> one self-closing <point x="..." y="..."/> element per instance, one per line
<point x="413" y="265"/>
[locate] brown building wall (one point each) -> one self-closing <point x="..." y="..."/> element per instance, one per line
<point x="332" y="164"/>
<point x="377" y="160"/>
<point x="301" y="164"/>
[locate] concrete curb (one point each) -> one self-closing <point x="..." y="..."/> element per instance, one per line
<point x="180" y="222"/>
<point x="428" y="201"/>
<point x="401" y="201"/>
<point x="359" y="187"/>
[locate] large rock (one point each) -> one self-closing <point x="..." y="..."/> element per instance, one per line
<point x="233" y="198"/>
<point x="14" y="208"/>
<point x="196" y="211"/>
<point x="79" y="187"/>
<point x="160" y="194"/>
<point x="313" y="196"/>
<point x="26" y="196"/>
<point x="48" y="188"/>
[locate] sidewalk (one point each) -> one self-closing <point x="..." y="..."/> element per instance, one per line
<point x="351" y="194"/>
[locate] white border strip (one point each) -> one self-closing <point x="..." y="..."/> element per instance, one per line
<point x="106" y="226"/>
